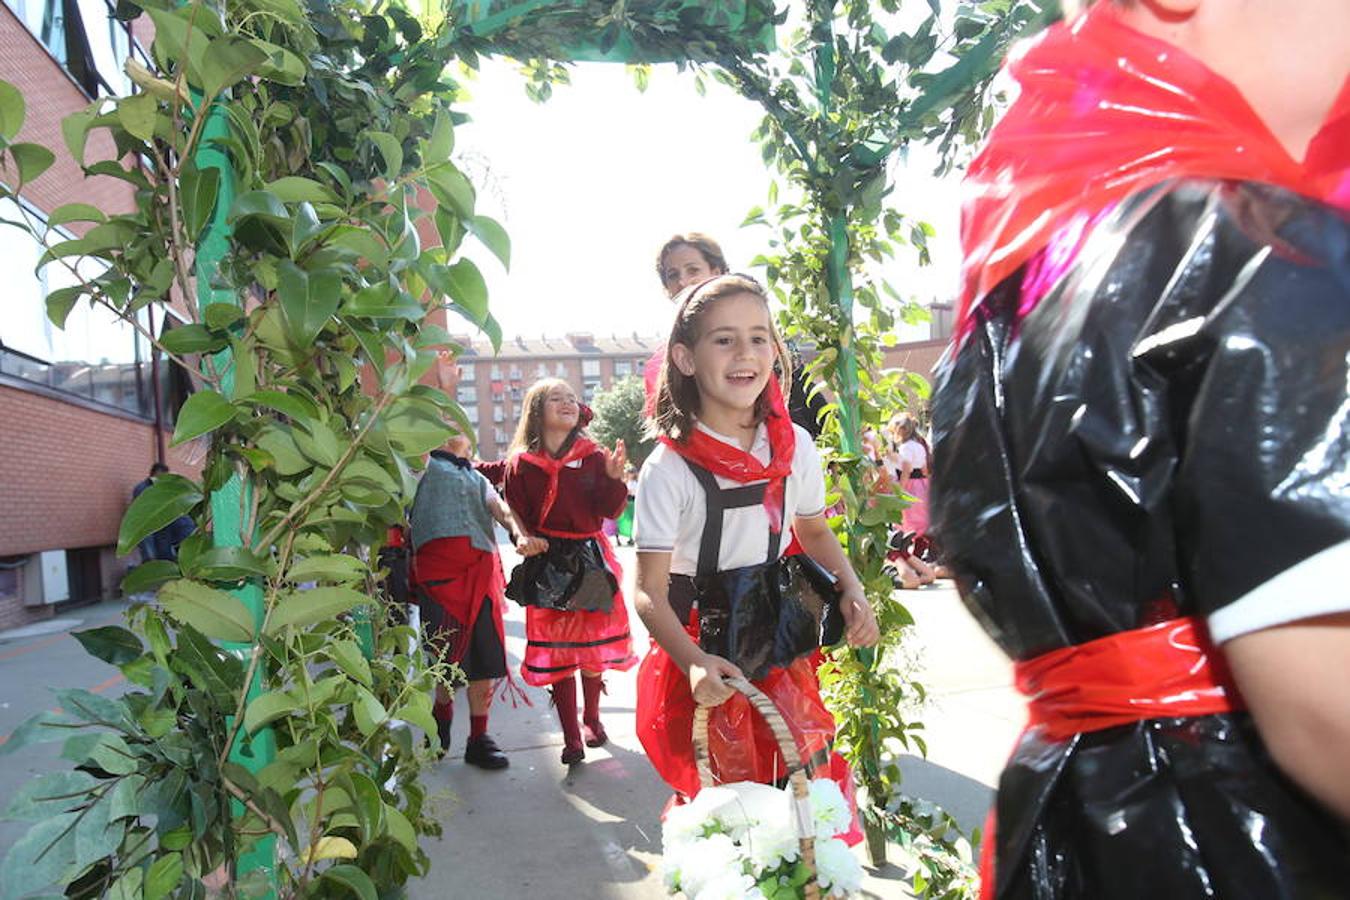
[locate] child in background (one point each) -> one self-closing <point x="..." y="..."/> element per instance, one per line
<point x="561" y="486"/>
<point x="720" y="496"/>
<point x="907" y="463"/>
<point x="457" y="576"/>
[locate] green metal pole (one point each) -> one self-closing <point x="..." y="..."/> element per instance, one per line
<point x="229" y="502"/>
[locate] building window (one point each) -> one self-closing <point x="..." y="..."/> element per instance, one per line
<point x="588" y="388"/>
<point x="468" y="373"/>
<point x="561" y="370"/>
<point x="497" y="414"/>
<point x="623" y="368"/>
<point x="84" y="37"/>
<point x="466" y="394"/>
<point x="590" y="367"/>
<point x="496" y="372"/>
<point x="541" y="370"/>
<point x="96" y="356"/>
<point x="501" y="437"/>
<point x="515" y="393"/>
<point x="471" y="413"/>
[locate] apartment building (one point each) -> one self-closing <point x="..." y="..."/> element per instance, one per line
<point x="491" y="388"/>
<point x="84" y="411"/>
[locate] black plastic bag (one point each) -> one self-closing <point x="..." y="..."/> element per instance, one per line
<point x="572" y="575"/>
<point x="765" y="616"/>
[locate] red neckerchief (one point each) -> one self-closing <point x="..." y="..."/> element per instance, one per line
<point x="1105" y="112"/>
<point x="729" y="461"/>
<point x="581" y="447"/>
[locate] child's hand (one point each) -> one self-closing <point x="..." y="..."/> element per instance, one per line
<point x="616" y="461"/>
<point x="706" y="680"/>
<point x="528" y="545"/>
<point x="860" y="623"/>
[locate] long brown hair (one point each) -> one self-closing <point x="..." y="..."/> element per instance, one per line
<point x="709" y="249"/>
<point x="677" y="397"/>
<point x="529" y="436"/>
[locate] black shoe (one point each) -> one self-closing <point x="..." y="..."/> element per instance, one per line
<point x="573" y="755"/>
<point x="484" y="753"/>
<point x="443" y="733"/>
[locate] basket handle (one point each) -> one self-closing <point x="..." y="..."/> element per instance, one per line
<point x="799" y="770"/>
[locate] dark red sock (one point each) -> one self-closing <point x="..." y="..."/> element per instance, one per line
<point x="565" y="699"/>
<point x="443" y="711"/>
<point x="477" y="726"/>
<point x="591" y="689"/>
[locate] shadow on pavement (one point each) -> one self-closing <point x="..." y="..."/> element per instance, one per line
<point x="966" y="799"/>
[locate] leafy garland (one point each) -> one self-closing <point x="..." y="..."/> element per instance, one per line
<point x="335" y="135"/>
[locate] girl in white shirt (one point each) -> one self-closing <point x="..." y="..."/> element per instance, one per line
<point x="718" y="504"/>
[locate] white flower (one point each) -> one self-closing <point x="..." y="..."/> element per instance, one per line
<point x="839" y="870"/>
<point x="751" y="805"/>
<point x="703" y="861"/>
<point x="829" y="809"/>
<point x="730" y="887"/>
<point x="683" y="824"/>
<point x="770" y="844"/>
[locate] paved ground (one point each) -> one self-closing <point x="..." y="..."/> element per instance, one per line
<point x="541" y="831"/>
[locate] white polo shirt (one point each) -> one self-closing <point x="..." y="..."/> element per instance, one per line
<point x="671" y="507"/>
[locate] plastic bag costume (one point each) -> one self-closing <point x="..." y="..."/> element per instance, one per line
<point x="767" y="619"/>
<point x="1145" y="419"/>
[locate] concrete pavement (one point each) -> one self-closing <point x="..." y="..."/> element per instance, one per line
<point x="541" y="831"/>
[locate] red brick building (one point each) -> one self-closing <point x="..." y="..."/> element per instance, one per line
<point x="83" y="411"/>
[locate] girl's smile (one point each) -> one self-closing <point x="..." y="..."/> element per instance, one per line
<point x="731" y="361"/>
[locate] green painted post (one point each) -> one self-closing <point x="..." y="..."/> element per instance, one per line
<point x="229" y="502"/>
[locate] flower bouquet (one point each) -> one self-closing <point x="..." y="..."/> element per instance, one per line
<point x="742" y="841"/>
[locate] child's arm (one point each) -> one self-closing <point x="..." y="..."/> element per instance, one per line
<point x="819" y="542"/>
<point x="706" y="671"/>
<point x="612" y="494"/>
<point x="526" y="544"/>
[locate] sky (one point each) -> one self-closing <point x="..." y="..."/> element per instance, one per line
<point x="590" y="184"/>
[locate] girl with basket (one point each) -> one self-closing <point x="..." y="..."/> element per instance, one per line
<point x="724" y="587"/>
<point x="561" y="486"/>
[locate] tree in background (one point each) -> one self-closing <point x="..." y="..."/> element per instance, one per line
<point x="618" y="416"/>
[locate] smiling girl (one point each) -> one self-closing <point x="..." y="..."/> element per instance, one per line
<point x="561" y="486"/>
<point x="719" y="501"/>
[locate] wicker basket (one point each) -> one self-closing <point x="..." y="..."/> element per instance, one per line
<point x="799" y="772"/>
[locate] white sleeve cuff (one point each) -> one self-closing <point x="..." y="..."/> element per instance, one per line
<point x="1313" y="587"/>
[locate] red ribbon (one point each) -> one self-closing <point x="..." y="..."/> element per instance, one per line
<point x="1104" y="112"/>
<point x="1159" y="671"/>
<point x="581" y="447"/>
<point x="730" y="461"/>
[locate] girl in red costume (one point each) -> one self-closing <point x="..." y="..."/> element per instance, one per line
<point x="716" y="500"/>
<point x="561" y="486"/>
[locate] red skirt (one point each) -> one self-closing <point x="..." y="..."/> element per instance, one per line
<point x="459" y="578"/>
<point x="559" y="642"/>
<point x="741" y="747"/>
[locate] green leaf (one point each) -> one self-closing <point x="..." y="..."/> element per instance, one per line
<point x="415" y="427"/>
<point x="49" y="795"/>
<point x="163" y="876"/>
<point x="293" y="406"/>
<point x="382" y="301"/>
<point x="442" y="141"/>
<point x="148" y="576"/>
<point x="294" y="189"/>
<point x="197" y="191"/>
<point x="318" y="442"/>
<point x="391" y="150"/>
<point x="469" y="290"/>
<point x="268" y="708"/>
<point x="353" y="879"/>
<point x="450" y="187"/>
<point x="229" y="60"/>
<point x="75" y="212"/>
<point x="493" y="236"/>
<point x="61" y="301"/>
<point x="349" y="659"/>
<point x="12" y="111"/>
<point x="262" y="205"/>
<point x="44" y="727"/>
<point x="192" y="338"/>
<point x="214" y="613"/>
<point x="328" y="567"/>
<point x="280" y="445"/>
<point x="400" y="829"/>
<point x="204" y="411"/>
<point x="110" y="643"/>
<point x="90" y="707"/>
<point x="75" y="130"/>
<point x="167" y="498"/>
<point x="316" y="605"/>
<point x="309" y="300"/>
<point x="41" y="856"/>
<point x="129" y="887"/>
<point x="220" y="316"/>
<point x="227" y="564"/>
<point x="31" y="160"/>
<point x="179" y="41"/>
<point x="282" y="66"/>
<point x="137" y="115"/>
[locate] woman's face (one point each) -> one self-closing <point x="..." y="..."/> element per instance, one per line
<point x="682" y="266"/>
<point x="560" y="409"/>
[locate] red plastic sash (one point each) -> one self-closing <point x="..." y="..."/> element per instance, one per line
<point x="1104" y="112"/>
<point x="1159" y="671"/>
<point x="721" y="458"/>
